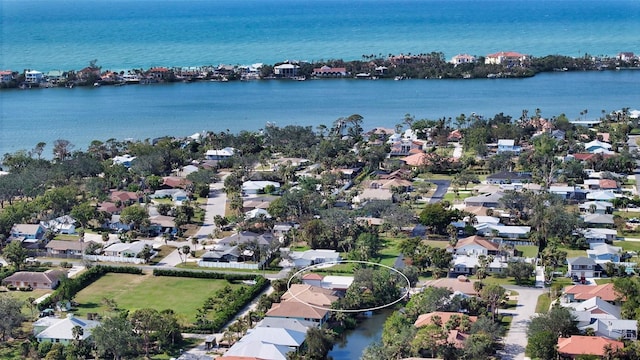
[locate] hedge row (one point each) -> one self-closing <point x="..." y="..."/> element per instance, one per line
<point x="203" y="274"/>
<point x="234" y="301"/>
<point x="68" y="288"/>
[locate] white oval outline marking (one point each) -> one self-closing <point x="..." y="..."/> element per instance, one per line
<point x="311" y="267"/>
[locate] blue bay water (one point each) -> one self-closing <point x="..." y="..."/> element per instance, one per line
<point x="120" y="34"/>
<point x="181" y="109"/>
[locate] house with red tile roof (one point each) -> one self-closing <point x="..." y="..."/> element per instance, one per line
<point x="461" y="284"/>
<point x="577" y="345"/>
<point x="463" y="59"/>
<point x="475" y="245"/>
<point x="456" y="337"/>
<point x="506" y="58"/>
<point x="578" y="293"/>
<point x="445" y="316"/>
<point x="173" y="182"/>
<point x="415" y="160"/>
<point x="327" y="71"/>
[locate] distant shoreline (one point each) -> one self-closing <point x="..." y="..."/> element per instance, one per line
<point x="371" y="67"/>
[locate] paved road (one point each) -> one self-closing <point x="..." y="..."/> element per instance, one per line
<point x="441" y="190"/>
<point x="516" y="339"/>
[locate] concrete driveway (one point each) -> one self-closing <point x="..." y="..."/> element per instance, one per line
<point x="516" y="340"/>
<point x="441" y="190"/>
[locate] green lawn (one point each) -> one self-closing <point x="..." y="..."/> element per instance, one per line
<point x="530" y="251"/>
<point x="441" y="244"/>
<point x="24" y="295"/>
<point x="451" y="196"/>
<point x="628" y="245"/>
<point x="573" y="252"/>
<point x="132" y="292"/>
<point x="543" y="304"/>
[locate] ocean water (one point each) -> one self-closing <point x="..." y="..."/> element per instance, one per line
<point x="123" y="34"/>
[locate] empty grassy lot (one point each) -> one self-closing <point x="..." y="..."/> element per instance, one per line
<point x="132" y="292"/>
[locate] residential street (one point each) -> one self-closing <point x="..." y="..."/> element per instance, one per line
<point x="516" y="339"/>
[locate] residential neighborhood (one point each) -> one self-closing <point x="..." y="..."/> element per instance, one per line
<point x="479" y="237"/>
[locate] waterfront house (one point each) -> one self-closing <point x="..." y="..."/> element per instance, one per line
<point x="310" y="294"/>
<point x="582" y="267"/>
<point x="299" y="311"/>
<point x="6" y="76"/>
<point x="326" y="71"/>
<point x="255" y="350"/>
<point x="282" y="323"/>
<point x="508" y="58"/>
<point x="33" y="76"/>
<point x="463" y="59"/>
<point x="626" y="56"/>
<point x="36" y="280"/>
<point x="576" y="346"/>
<point x="54" y="76"/>
<point x="286" y="70"/>
<point x="54" y="330"/>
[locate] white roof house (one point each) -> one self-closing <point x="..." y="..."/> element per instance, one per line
<point x="601" y="195"/>
<point x="615" y="328"/>
<point x="124" y="160"/>
<point x="61" y="330"/>
<point x="283" y="323"/>
<point x="311" y="257"/>
<point x="259" y="349"/>
<point x="63" y="224"/>
<point x="220" y="153"/>
<point x="594" y="145"/>
<point x="254" y="187"/>
<point x="257" y="213"/>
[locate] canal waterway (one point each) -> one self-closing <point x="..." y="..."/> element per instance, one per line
<point x="353" y="342"/>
